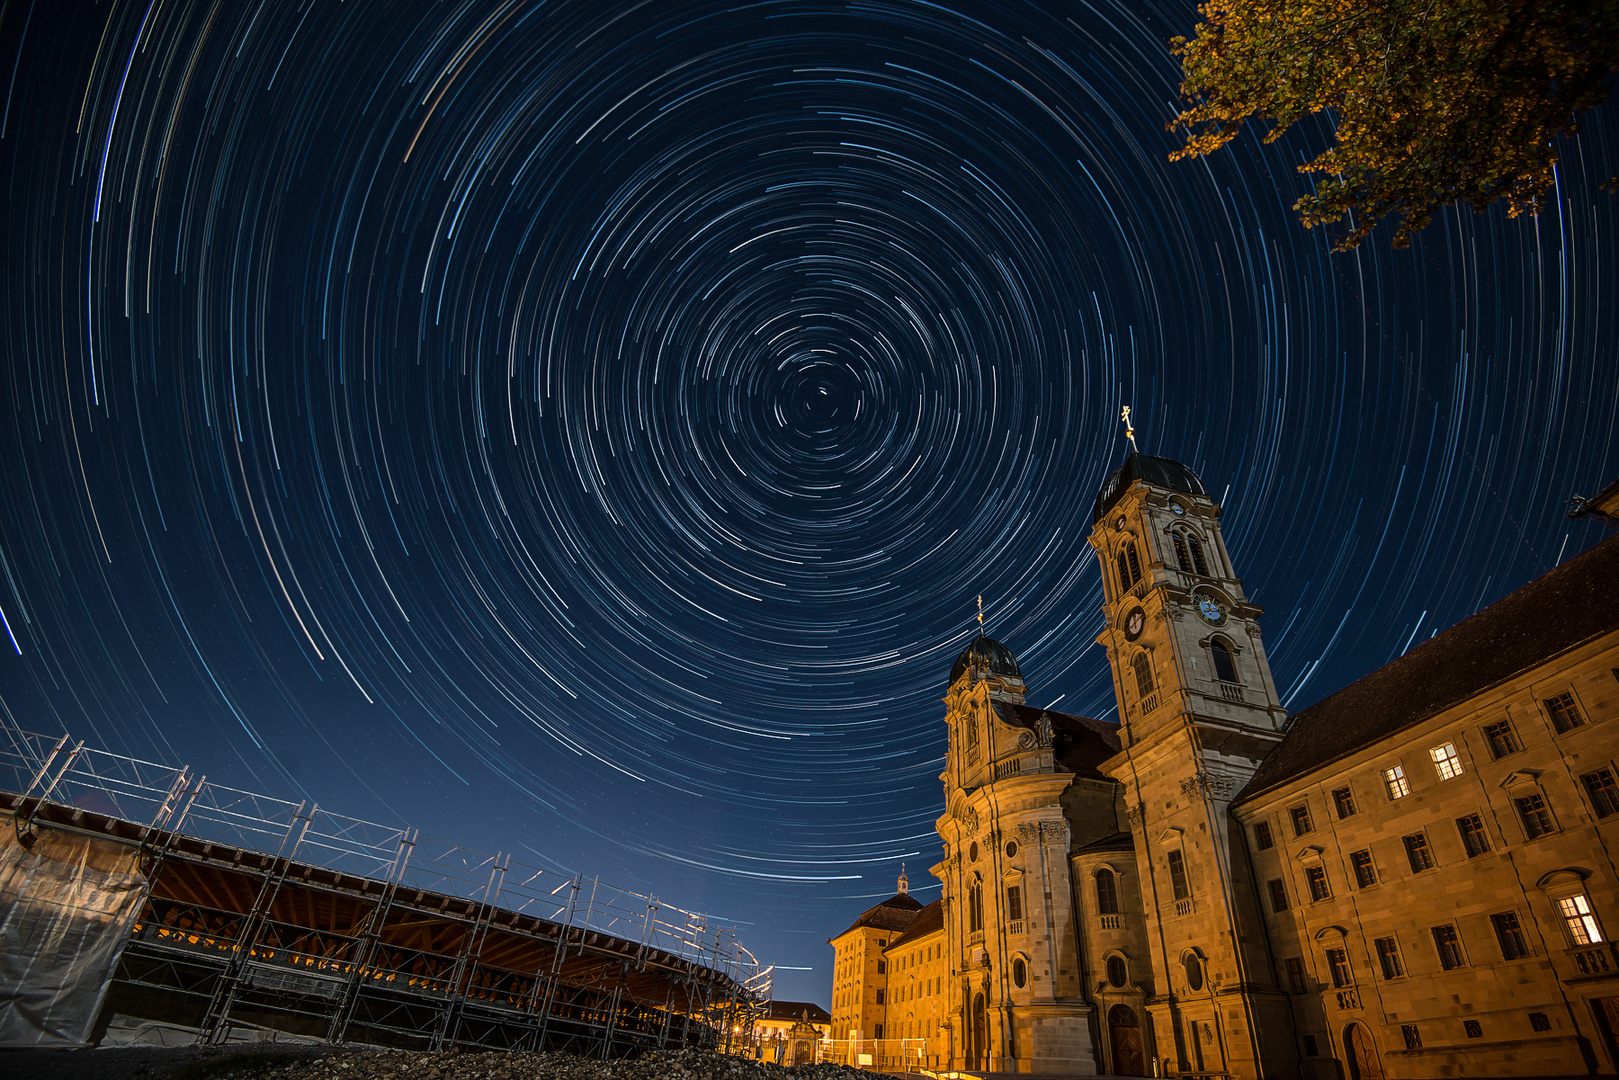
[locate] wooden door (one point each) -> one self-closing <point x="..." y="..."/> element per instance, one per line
<point x="980" y="1034"/>
<point x="1361" y="1054"/>
<point x="1125" y="1034"/>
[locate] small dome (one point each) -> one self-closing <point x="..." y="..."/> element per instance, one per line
<point x="989" y="653"/>
<point x="1160" y="472"/>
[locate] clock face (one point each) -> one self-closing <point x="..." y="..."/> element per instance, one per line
<point x="1118" y="522"/>
<point x="1178" y="509"/>
<point x="1210" y="609"/>
<point x="1134" y="623"/>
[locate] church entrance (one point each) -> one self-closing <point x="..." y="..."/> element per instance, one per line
<point x="1360" y="1053"/>
<point x="980" y="1042"/>
<point x="1124" y="1032"/>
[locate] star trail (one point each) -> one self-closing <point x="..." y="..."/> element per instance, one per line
<point x="582" y="428"/>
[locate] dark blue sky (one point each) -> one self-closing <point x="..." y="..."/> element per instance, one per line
<point x="582" y="429"/>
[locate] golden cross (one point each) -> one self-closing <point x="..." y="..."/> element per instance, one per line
<point x="1129" y="432"/>
<point x="980" y="614"/>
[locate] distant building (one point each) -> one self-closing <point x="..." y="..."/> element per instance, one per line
<point x="1412" y="878"/>
<point x="791" y="1032"/>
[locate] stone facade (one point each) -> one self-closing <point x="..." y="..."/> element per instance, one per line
<point x="1412" y="878"/>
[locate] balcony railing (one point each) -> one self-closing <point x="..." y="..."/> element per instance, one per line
<point x="1348" y="999"/>
<point x="1112" y="922"/>
<point x="1594" y="959"/>
<point x="1184" y="907"/>
<point x="1149" y="703"/>
<point x="1009" y="767"/>
<point x="1231" y="691"/>
<point x="1014" y="926"/>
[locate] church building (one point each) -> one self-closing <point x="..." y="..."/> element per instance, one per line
<point x="1412" y="878"/>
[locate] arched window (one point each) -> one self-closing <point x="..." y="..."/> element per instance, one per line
<point x="1224" y="668"/>
<point x="1198" y="565"/>
<point x="1135" y="564"/>
<point x="1180" y="552"/>
<point x="975" y="906"/>
<point x="1107" y="893"/>
<point x="1143" y="674"/>
<point x="972" y="737"/>
<point x="1124" y="573"/>
<point x="1194" y="970"/>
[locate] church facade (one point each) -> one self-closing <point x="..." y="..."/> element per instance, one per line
<point x="1412" y="878"/>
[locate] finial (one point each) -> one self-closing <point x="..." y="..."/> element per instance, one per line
<point x="980" y="615"/>
<point x="904" y="882"/>
<point x="1129" y="432"/>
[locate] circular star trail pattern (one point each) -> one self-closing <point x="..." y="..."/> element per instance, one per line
<point x="583" y="429"/>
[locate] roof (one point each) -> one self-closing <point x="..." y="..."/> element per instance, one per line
<point x="1157" y="471"/>
<point x="1078" y="743"/>
<point x="990" y="654"/>
<point x="895" y="913"/>
<point x="1119" y="841"/>
<point x="1552" y="614"/>
<point x="798" y="1010"/>
<point x="928" y="921"/>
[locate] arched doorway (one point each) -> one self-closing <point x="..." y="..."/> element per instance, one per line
<point x="1124" y="1032"/>
<point x="980" y="1045"/>
<point x="1360" y="1054"/>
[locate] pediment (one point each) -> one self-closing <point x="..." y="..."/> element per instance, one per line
<point x="1311" y="853"/>
<point x="1520" y="776"/>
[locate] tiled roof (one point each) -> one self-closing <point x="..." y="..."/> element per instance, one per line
<point x="1557" y="611"/>
<point x="798" y="1010"/>
<point x="930" y="919"/>
<point x="895" y="913"/>
<point x="1119" y="841"/>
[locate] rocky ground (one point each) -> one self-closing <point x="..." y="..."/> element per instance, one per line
<point x="285" y="1062"/>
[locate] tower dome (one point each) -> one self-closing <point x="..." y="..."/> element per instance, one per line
<point x="986" y="652"/>
<point x="1158" y="471"/>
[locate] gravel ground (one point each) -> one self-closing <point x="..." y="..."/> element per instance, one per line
<point x="284" y="1062"/>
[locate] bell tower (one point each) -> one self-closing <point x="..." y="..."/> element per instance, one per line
<point x="1198" y="710"/>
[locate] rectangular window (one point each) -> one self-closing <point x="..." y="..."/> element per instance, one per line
<point x="1365" y="872"/>
<point x="1449" y="946"/>
<point x="1301" y="820"/>
<point x="1416" y="849"/>
<point x="1310" y="1048"/>
<point x="1600" y="788"/>
<point x="1317" y="878"/>
<point x="1177" y="875"/>
<point x="1475" y="841"/>
<point x="1474" y="1029"/>
<point x="1510" y="934"/>
<point x="1295" y="976"/>
<point x="1278" y="895"/>
<point x="1014" y="902"/>
<point x="1537" y="819"/>
<point x="1344" y="800"/>
<point x="1564" y="713"/>
<point x="1394" y="780"/>
<point x="1539" y="1022"/>
<point x="879" y="1000"/>
<point x="1338" y="964"/>
<point x="878" y="1033"/>
<point x="1262" y="837"/>
<point x="1388" y="958"/>
<point x="1580" y="919"/>
<point x="1503" y="740"/>
<point x="1445" y="761"/>
<point x="1413" y="1039"/>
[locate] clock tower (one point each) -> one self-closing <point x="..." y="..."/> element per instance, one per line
<point x="1198" y="710"/>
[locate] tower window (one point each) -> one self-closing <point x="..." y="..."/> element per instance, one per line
<point x="1124" y="573"/>
<point x="1107" y="893"/>
<point x="972" y="738"/>
<point x="1224" y="668"/>
<point x="1198" y="564"/>
<point x="1116" y="971"/>
<point x="1014" y="903"/>
<point x="1177" y="875"/>
<point x="975" y="907"/>
<point x="1135" y="564"/>
<point x="1180" y="553"/>
<point x="1143" y="668"/>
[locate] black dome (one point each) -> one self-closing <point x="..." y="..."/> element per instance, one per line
<point x="988" y="653"/>
<point x="1160" y="472"/>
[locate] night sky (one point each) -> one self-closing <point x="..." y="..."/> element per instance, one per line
<point x="583" y="429"/>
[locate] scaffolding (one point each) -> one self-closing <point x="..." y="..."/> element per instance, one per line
<point x="248" y="917"/>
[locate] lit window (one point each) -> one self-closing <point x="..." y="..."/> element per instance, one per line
<point x="1580" y="919"/>
<point x="1503" y="740"/>
<point x="1475" y="841"/>
<point x="1536" y="817"/>
<point x="1278" y="895"/>
<point x="1603" y="794"/>
<point x="1416" y="849"/>
<point x="1177" y="875"/>
<point x="1224" y="669"/>
<point x="1344" y="801"/>
<point x="1510" y="934"/>
<point x="1388" y="958"/>
<point x="1365" y="872"/>
<point x="1338" y="964"/>
<point x="1316" y="876"/>
<point x="1394" y="780"/>
<point x="1107" y="893"/>
<point x="1301" y="820"/>
<point x="1262" y="837"/>
<point x="1449" y="946"/>
<point x="1564" y="713"/>
<point x="1445" y="761"/>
